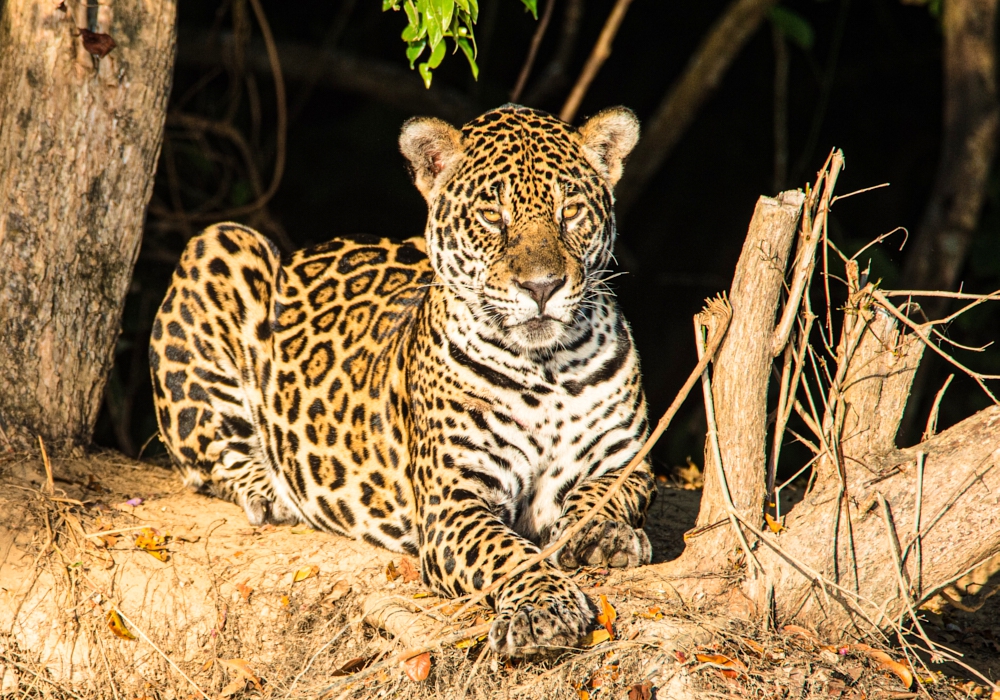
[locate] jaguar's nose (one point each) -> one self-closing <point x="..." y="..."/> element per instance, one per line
<point x="541" y="289"/>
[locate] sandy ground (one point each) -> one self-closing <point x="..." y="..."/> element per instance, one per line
<point x="221" y="609"/>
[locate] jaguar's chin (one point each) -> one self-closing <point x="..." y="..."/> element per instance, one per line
<point x="539" y="333"/>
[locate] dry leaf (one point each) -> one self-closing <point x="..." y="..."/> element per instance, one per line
<point x="152" y="542"/>
<point x="640" y="691"/>
<point x="596" y="637"/>
<point x="758" y="649"/>
<point x="774" y="525"/>
<point x="303" y="574"/>
<point x="391" y="573"/>
<point x="302" y="530"/>
<point x="607" y="616"/>
<point x="284" y="601"/>
<point x="353" y="666"/>
<point x="117" y="625"/>
<point x="733" y="666"/>
<point x="800" y="631"/>
<point x="417" y="667"/>
<point x="339" y="590"/>
<point x="242" y="672"/>
<point x="408" y="571"/>
<point x="690" y="476"/>
<point x="889" y="664"/>
<point x="421" y="594"/>
<point x="470" y="642"/>
<point x="244" y="590"/>
<point x="207" y="665"/>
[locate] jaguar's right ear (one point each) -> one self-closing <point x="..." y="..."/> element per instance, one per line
<point x="432" y="148"/>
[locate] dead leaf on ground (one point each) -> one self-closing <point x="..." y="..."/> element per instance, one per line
<point x="353" y="666"/>
<point x="117" y="625"/>
<point x="417" y="667"/>
<point x="640" y="691"/>
<point x="242" y="672"/>
<point x="391" y="572"/>
<point x="339" y="590"/>
<point x="800" y="632"/>
<point x="244" y="590"/>
<point x="730" y="668"/>
<point x="153" y="543"/>
<point x="304" y="573"/>
<point x="889" y="664"/>
<point x="596" y="637"/>
<point x="690" y="476"/>
<point x="408" y="571"/>
<point x="607" y="615"/>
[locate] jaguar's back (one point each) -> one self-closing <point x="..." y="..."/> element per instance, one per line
<point x="465" y="399"/>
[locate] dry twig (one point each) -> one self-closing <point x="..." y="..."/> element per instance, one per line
<point x="599" y="54"/>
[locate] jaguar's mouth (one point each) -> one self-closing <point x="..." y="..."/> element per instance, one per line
<point x="537" y="333"/>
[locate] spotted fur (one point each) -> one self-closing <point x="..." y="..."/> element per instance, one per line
<point x="462" y="397"/>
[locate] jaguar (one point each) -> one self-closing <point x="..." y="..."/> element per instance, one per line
<point x="463" y="397"/>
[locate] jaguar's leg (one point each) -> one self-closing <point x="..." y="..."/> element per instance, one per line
<point x="465" y="546"/>
<point x="204" y="352"/>
<point x="614" y="537"/>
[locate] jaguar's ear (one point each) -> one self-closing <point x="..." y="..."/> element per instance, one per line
<point x="608" y="138"/>
<point x="432" y="147"/>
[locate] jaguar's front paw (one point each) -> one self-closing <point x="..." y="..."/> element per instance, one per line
<point x="601" y="543"/>
<point x="539" y="612"/>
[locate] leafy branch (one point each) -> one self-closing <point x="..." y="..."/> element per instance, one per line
<point x="430" y="22"/>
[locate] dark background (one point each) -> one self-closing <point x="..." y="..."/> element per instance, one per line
<point x="870" y="84"/>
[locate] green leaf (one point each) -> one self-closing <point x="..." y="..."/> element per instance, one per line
<point x="414" y="50"/>
<point x="411" y="34"/>
<point x="532" y="6"/>
<point x="412" y="16"/>
<point x="470" y="54"/>
<point x="437" y="55"/>
<point x="793" y="25"/>
<point x="445" y="10"/>
<point x="425" y="73"/>
<point x="474" y="10"/>
<point x="390" y="5"/>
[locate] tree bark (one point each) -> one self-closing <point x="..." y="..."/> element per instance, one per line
<point x="79" y="142"/>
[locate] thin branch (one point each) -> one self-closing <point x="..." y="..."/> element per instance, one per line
<point x="720" y="308"/>
<point x="536" y="41"/>
<point x="881" y="238"/>
<point x="553" y="77"/>
<point x="932" y="419"/>
<point x="921" y="332"/>
<point x="599" y="54"/>
<point x="806" y="256"/>
<point x="933" y="293"/>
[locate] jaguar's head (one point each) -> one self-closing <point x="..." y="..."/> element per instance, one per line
<point x="520" y="224"/>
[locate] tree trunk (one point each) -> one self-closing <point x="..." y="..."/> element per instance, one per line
<point x="881" y="530"/>
<point x="79" y="140"/>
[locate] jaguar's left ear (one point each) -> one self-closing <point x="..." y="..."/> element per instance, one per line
<point x="608" y="137"/>
<point x="432" y="147"/>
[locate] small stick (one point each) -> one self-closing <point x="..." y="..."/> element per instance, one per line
<point x="721" y="308"/>
<point x="903" y="591"/>
<point x="600" y="53"/>
<point x="116" y="531"/>
<point x="932" y="293"/>
<point x="50" y="486"/>
<point x="475" y="667"/>
<point x="713" y="436"/>
<point x="919" y="499"/>
<point x="536" y="41"/>
<point x="932" y="419"/>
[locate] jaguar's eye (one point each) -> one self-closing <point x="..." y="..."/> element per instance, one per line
<point x="570" y="212"/>
<point x="491" y="216"/>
